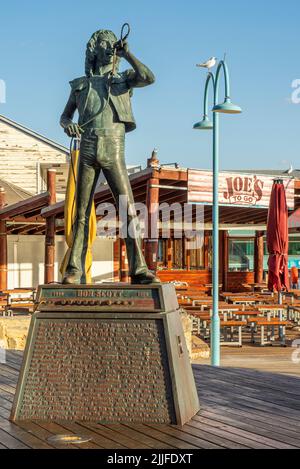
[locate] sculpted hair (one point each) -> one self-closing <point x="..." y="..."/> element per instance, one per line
<point x="91" y="49"/>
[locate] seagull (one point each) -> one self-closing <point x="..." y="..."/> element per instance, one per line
<point x="290" y="170"/>
<point x="209" y="63"/>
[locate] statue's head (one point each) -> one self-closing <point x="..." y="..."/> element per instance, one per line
<point x="99" y="51"/>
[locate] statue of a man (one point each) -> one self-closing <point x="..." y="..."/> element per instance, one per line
<point x="102" y="99"/>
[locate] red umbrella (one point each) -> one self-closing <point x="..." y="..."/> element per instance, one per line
<point x="278" y="239"/>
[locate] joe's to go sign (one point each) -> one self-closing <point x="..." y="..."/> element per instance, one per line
<point x="252" y="190"/>
<point x="244" y="190"/>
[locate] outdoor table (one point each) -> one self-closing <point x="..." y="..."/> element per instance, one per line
<point x="207" y="303"/>
<point x="258" y="286"/>
<point x="293" y="313"/>
<point x="230" y="326"/>
<point x="197" y="296"/>
<point x="270" y="324"/>
<point x="202" y="319"/>
<point x="247" y="314"/>
<point x="228" y="294"/>
<point x="225" y="307"/>
<point x="242" y="300"/>
<point x="210" y="285"/>
<point x="275" y="308"/>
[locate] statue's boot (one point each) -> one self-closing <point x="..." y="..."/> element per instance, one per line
<point x="144" y="278"/>
<point x="72" y="278"/>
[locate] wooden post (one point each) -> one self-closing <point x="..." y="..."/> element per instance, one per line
<point x="169" y="254"/>
<point x="50" y="229"/>
<point x="152" y="202"/>
<point x="123" y="261"/>
<point x="183" y="256"/>
<point x="3" y="246"/>
<point x="151" y="242"/>
<point x="206" y="249"/>
<point x="225" y="260"/>
<point x="116" y="260"/>
<point x="259" y="257"/>
<point x="187" y="255"/>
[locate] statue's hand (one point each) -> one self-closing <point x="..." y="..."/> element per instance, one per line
<point x="122" y="49"/>
<point x="74" y="130"/>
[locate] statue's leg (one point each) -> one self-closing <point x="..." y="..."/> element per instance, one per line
<point x="113" y="165"/>
<point x="85" y="187"/>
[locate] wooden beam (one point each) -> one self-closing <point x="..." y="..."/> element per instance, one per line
<point x="24" y="206"/>
<point x="259" y="257"/>
<point x="3" y="246"/>
<point x="170" y="174"/>
<point x="207" y="235"/>
<point x="169" y="254"/>
<point x="100" y="194"/>
<point x="50" y="229"/>
<point x="187" y="256"/>
<point x="151" y="241"/>
<point x="123" y="261"/>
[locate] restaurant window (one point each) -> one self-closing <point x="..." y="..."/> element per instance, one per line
<point x="179" y="255"/>
<point x="162" y="252"/>
<point x="294" y="252"/>
<point x="294" y="246"/>
<point x="241" y="254"/>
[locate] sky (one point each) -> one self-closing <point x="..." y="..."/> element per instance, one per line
<point x="42" y="47"/>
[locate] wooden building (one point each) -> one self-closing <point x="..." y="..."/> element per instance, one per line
<point x="242" y="230"/>
<point x="25" y="157"/>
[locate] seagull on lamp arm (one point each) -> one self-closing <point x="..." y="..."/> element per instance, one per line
<point x="210" y="63"/>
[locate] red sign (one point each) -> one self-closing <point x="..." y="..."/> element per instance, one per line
<point x="252" y="190"/>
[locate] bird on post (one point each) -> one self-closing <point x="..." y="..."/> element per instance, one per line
<point x="210" y="63"/>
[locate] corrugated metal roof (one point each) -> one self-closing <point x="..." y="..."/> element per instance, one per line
<point x="13" y="193"/>
<point x="271" y="172"/>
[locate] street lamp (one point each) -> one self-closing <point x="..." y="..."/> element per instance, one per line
<point x="227" y="107"/>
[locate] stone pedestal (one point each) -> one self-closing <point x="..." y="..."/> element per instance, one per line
<point x="106" y="353"/>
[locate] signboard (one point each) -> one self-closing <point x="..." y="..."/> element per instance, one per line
<point x="238" y="189"/>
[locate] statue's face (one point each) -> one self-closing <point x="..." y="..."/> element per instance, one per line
<point x="105" y="50"/>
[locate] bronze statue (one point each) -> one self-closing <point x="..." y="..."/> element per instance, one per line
<point x="102" y="99"/>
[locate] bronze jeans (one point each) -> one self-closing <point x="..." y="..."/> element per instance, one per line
<point x="103" y="149"/>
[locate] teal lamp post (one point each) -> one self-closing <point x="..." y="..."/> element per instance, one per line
<point x="227" y="107"/>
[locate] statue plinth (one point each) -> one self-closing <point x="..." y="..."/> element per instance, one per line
<point x="106" y="353"/>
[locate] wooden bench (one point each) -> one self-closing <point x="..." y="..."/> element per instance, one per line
<point x="261" y="325"/>
<point x="20" y="307"/>
<point x="19" y="301"/>
<point x="293" y="314"/>
<point x="244" y="315"/>
<point x="229" y="329"/>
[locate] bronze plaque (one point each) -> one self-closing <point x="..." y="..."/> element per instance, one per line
<point x="105" y="370"/>
<point x="98" y="298"/>
<point x="106" y="363"/>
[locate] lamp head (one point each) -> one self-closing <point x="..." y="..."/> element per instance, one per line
<point x="205" y="124"/>
<point x="227" y="107"/>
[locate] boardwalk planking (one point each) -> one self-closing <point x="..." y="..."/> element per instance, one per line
<point x="240" y="408"/>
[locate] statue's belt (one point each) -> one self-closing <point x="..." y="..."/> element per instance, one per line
<point x="105" y="132"/>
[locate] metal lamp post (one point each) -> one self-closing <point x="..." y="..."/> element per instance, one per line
<point x="227" y="107"/>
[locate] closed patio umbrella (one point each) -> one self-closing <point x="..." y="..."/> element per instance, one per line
<point x="278" y="239"/>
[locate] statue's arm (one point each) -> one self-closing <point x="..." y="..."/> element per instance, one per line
<point x="69" y="111"/>
<point x="66" y="119"/>
<point x="140" y="75"/>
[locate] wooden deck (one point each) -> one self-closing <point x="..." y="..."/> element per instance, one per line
<point x="240" y="408"/>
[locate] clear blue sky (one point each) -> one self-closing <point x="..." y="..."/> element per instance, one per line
<point x="42" y="46"/>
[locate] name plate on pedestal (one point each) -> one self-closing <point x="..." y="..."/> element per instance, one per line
<point x="106" y="297"/>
